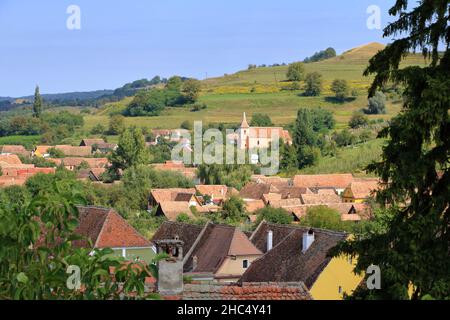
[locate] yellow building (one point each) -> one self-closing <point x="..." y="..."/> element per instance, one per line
<point x="295" y="254"/>
<point x="359" y="190"/>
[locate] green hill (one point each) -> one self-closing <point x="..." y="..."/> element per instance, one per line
<point x="261" y="90"/>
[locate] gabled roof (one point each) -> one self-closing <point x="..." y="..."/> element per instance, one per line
<point x="215" y="244"/>
<point x="216" y="191"/>
<point x="11" y="159"/>
<point x="362" y="189"/>
<point x="107" y="229"/>
<point x="14" y="149"/>
<point x="169" y="194"/>
<point x="240" y="246"/>
<point x="286" y="203"/>
<point x="76" y="161"/>
<point x="91" y="142"/>
<point x="256" y="191"/>
<point x="338" y="181"/>
<point x="172" y="209"/>
<point x="320" y="198"/>
<point x="75" y="151"/>
<point x="254" y="205"/>
<point x="286" y="262"/>
<point x="246" y="291"/>
<point x="187" y="233"/>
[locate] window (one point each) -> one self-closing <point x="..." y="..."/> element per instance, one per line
<point x="340" y="290"/>
<point x="245" y="264"/>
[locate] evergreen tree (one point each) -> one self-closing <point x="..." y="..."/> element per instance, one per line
<point x="304" y="138"/>
<point x="413" y="245"/>
<point x="37" y="104"/>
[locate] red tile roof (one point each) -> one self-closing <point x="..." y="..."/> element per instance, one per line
<point x="338" y="181"/>
<point x="246" y="291"/>
<point x="107" y="229"/>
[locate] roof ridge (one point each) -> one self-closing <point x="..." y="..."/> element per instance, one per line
<point x="326" y="231"/>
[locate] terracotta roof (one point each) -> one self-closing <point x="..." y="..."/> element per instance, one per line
<point x="14" y="149"/>
<point x="11" y="159"/>
<point x="361" y="210"/>
<point x="169" y="194"/>
<point x="277" y="181"/>
<point x="76" y="161"/>
<point x="240" y="246"/>
<point x="286" y="203"/>
<point x="266" y="132"/>
<point x="338" y="181"/>
<point x="172" y="209"/>
<point x="96" y="173"/>
<point x="215" y="191"/>
<point x="293" y="192"/>
<point x="254" y="205"/>
<point x="187" y="233"/>
<point x="326" y="191"/>
<point x="7" y="181"/>
<point x="286" y="262"/>
<point x="271" y="197"/>
<point x="256" y="191"/>
<point x="362" y="189"/>
<point x="107" y="229"/>
<point x="246" y="291"/>
<point x="216" y="243"/>
<point x="91" y="142"/>
<point x="75" y="151"/>
<point x="320" y="198"/>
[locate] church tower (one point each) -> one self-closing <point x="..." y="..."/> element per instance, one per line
<point x="244" y="132"/>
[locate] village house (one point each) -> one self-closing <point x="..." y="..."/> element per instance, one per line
<point x="98" y="145"/>
<point x="72" y="163"/>
<point x="14" y="172"/>
<point x="217" y="194"/>
<point x="213" y="252"/>
<point x="248" y="137"/>
<point x="179" y="167"/>
<point x="300" y="254"/>
<point x="67" y="150"/>
<point x="171" y="285"/>
<point x="172" y="209"/>
<point x="316" y="182"/>
<point x="360" y="190"/>
<point x="14" y="149"/>
<point x="173" y="194"/>
<point x="105" y="228"/>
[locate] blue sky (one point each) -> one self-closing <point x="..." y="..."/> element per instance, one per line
<point x="121" y="41"/>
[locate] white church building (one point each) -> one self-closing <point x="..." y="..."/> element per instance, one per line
<point x="248" y="137"/>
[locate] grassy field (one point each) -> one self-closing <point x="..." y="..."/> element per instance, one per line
<point x="260" y="90"/>
<point x="352" y="159"/>
<point x="27" y="141"/>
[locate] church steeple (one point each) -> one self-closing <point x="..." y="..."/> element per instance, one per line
<point x="244" y="123"/>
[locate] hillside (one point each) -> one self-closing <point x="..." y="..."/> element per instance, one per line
<point x="261" y="90"/>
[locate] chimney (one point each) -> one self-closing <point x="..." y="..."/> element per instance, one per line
<point x="269" y="240"/>
<point x="170" y="270"/>
<point x="308" y="239"/>
<point x="194" y="262"/>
